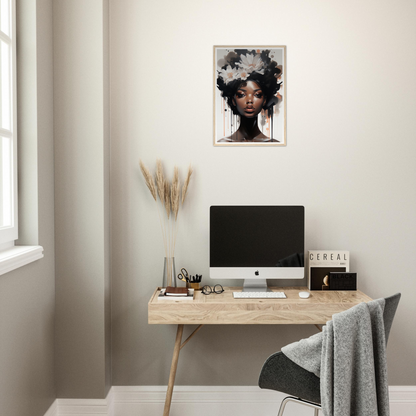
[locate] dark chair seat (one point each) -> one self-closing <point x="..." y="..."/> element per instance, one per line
<point x="282" y="374"/>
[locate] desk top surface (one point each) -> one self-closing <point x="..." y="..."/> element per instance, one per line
<point x="218" y="309"/>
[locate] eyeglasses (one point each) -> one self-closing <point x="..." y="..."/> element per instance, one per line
<point x="207" y="290"/>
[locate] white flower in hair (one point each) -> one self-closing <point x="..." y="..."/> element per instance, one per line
<point x="228" y="74"/>
<point x="243" y="74"/>
<point x="251" y="63"/>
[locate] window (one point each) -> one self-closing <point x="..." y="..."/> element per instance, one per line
<point x="11" y="256"/>
<point x="8" y="145"/>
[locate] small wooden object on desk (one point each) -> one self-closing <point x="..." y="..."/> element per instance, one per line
<point x="191" y="285"/>
<point x="176" y="291"/>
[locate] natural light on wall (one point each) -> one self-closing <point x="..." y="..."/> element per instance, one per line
<point x="8" y="157"/>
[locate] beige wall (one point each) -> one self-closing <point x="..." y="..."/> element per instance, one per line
<point x="27" y="295"/>
<point x="349" y="160"/>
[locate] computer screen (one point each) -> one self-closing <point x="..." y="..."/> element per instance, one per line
<point x="256" y="242"/>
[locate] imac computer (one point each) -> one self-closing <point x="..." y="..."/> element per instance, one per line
<point x="256" y="243"/>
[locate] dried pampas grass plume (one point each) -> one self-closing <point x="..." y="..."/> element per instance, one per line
<point x="186" y="183"/>
<point x="148" y="179"/>
<point x="174" y="193"/>
<point x="167" y="197"/>
<point x="170" y="198"/>
<point x="160" y="180"/>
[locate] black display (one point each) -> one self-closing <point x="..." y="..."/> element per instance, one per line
<point x="257" y="236"/>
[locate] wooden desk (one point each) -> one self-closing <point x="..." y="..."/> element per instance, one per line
<point x="223" y="309"/>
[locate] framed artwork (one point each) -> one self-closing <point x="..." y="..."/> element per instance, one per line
<point x="250" y="95"/>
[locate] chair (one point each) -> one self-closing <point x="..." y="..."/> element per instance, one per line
<point x="281" y="374"/>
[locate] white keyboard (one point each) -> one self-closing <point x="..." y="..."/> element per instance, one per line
<point x="259" y="295"/>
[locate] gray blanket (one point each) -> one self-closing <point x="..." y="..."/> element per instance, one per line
<point x="350" y="357"/>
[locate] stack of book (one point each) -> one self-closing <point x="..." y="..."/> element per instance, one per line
<point x="176" y="293"/>
<point x="322" y="263"/>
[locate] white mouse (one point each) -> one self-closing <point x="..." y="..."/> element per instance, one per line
<point x="304" y="295"/>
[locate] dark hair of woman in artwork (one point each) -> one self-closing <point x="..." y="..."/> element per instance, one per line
<point x="249" y="81"/>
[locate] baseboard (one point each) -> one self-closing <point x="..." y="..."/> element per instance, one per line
<point x="53" y="410"/>
<point x="402" y="400"/>
<point x="205" y="401"/>
<point x="83" y="407"/>
<point x="196" y="400"/>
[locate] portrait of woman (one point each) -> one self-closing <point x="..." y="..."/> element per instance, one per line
<point x="249" y="96"/>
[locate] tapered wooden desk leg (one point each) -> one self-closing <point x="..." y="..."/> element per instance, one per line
<point x="173" y="368"/>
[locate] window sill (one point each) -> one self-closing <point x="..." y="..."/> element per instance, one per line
<point x="18" y="256"/>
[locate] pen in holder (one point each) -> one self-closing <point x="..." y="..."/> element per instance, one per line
<point x="192" y="282"/>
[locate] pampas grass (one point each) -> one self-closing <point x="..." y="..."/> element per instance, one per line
<point x="170" y="199"/>
<point x="148" y="179"/>
<point x="186" y="183"/>
<point x="160" y="179"/>
<point x="174" y="193"/>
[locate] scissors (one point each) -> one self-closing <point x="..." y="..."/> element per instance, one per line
<point x="183" y="275"/>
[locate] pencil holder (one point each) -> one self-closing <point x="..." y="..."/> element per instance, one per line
<point x="195" y="286"/>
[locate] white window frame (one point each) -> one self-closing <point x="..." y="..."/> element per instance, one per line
<point x="9" y="232"/>
<point x="12" y="256"/>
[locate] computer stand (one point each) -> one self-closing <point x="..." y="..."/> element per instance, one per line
<point x="255" y="285"/>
